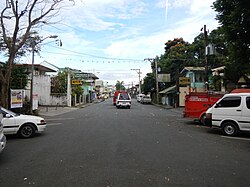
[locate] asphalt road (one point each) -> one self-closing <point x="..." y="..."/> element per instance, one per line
<point x="143" y="146"/>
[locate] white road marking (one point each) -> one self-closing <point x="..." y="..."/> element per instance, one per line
<point x="152" y="114"/>
<point x="58" y="119"/>
<point x="51" y="124"/>
<point x="236" y="138"/>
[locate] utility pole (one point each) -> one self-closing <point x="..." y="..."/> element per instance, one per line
<point x="206" y="60"/>
<point x="156" y="80"/>
<point x="34" y="43"/>
<point x="138" y="71"/>
<point x="156" y="76"/>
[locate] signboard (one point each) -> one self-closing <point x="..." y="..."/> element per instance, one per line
<point x="163" y="78"/>
<point x="184" y="81"/>
<point x="76" y="82"/>
<point x="16" y="98"/>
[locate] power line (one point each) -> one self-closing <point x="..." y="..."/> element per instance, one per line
<point x="95" y="56"/>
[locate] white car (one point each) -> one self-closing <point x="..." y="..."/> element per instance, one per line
<point x="2" y="137"/>
<point x="24" y="125"/>
<point x="146" y="99"/>
<point x="123" y="100"/>
<point x="139" y="97"/>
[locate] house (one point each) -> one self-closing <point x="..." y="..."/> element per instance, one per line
<point x="191" y="79"/>
<point x="42" y="85"/>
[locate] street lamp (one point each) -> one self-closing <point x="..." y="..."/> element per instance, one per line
<point x="32" y="69"/>
<point x="139" y="73"/>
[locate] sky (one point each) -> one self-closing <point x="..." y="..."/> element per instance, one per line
<point x="111" y="37"/>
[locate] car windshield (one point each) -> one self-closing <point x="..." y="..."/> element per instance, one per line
<point x="5" y="111"/>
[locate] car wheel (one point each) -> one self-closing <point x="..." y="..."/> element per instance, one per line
<point x="27" y="131"/>
<point x="202" y="119"/>
<point x="230" y="129"/>
<point x="128" y="107"/>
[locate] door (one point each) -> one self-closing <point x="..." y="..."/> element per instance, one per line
<point x="9" y="123"/>
<point x="229" y="107"/>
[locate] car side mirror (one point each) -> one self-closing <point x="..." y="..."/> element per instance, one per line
<point x="216" y="105"/>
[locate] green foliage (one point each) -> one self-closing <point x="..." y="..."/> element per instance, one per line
<point x="119" y="85"/>
<point x="19" y="78"/>
<point x="148" y="83"/>
<point x="233" y="15"/>
<point x="59" y="83"/>
<point x="77" y="90"/>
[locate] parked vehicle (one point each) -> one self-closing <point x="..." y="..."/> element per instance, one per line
<point x="116" y="95"/>
<point x="123" y="100"/>
<point x="2" y="136"/>
<point x="24" y="125"/>
<point x="231" y="114"/>
<point x="197" y="103"/>
<point x="146" y="99"/>
<point x="139" y="96"/>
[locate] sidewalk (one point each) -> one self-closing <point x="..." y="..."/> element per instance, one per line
<point x="57" y="110"/>
<point x="178" y="109"/>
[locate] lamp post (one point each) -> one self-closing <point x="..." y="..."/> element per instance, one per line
<point x="32" y="69"/>
<point x="139" y="73"/>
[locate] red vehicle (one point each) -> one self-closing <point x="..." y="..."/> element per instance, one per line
<point x="197" y="103"/>
<point x="116" y="95"/>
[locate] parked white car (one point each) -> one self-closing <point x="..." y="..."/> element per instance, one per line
<point x="146" y="99"/>
<point x="2" y="137"/>
<point x="24" y="125"/>
<point x="231" y="113"/>
<point x="139" y="96"/>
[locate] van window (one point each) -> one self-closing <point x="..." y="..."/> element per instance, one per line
<point x="229" y="102"/>
<point x="124" y="96"/>
<point x="248" y="102"/>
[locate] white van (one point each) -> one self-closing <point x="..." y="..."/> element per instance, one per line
<point x="123" y="100"/>
<point x="231" y="113"/>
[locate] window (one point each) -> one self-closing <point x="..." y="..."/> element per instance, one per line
<point x="248" y="102"/>
<point x="229" y="102"/>
<point x="124" y="96"/>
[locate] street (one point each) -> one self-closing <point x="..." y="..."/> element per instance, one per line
<point x="146" y="145"/>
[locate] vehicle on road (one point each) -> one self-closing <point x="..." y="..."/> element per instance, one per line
<point x="145" y="99"/>
<point x="231" y="113"/>
<point x="139" y="96"/>
<point x="2" y="136"/>
<point x="123" y="100"/>
<point x="197" y="103"/>
<point x="116" y="95"/>
<point x="24" y="125"/>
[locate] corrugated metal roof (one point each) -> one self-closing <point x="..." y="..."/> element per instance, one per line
<point x="168" y="90"/>
<point x="193" y="69"/>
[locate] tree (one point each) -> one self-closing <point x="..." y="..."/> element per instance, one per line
<point x="18" y="24"/>
<point x="175" y="58"/>
<point x="59" y="83"/>
<point x="233" y="15"/>
<point x="148" y="83"/>
<point x="19" y="78"/>
<point x="119" y="85"/>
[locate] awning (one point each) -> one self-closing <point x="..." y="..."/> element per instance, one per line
<point x="168" y="90"/>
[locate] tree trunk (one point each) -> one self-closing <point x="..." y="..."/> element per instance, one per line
<point x="4" y="95"/>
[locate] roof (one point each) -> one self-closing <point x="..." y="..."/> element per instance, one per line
<point x="38" y="66"/>
<point x="219" y="68"/>
<point x="193" y="69"/>
<point x="168" y="90"/>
